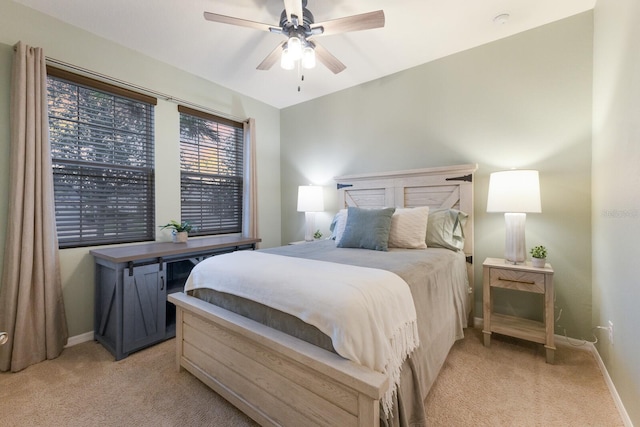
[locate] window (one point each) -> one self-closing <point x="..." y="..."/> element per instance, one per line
<point x="211" y="172"/>
<point x="102" y="153"/>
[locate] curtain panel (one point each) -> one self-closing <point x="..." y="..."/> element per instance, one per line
<point x="250" y="208"/>
<point x="31" y="305"/>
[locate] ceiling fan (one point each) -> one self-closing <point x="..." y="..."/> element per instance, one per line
<point x="298" y="26"/>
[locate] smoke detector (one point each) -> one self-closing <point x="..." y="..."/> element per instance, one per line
<point x="501" y="19"/>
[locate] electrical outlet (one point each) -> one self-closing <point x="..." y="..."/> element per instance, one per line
<point x="610" y="331"/>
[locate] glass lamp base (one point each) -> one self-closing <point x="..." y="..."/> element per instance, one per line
<point x="310" y="224"/>
<point x="515" y="250"/>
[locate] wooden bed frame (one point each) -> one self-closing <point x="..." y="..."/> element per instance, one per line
<point x="277" y="379"/>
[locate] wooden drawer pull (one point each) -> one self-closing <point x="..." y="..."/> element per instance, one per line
<point x="526" y="282"/>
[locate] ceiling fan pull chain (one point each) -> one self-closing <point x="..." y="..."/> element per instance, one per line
<point x="300" y="75"/>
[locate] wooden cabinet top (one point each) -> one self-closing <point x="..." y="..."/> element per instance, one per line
<point x="135" y="252"/>
<point x="501" y="263"/>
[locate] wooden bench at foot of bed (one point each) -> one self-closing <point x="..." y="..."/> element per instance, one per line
<point x="274" y="378"/>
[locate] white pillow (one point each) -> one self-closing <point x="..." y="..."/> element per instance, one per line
<point x="409" y="228"/>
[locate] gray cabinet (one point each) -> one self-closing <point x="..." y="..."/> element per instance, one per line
<point x="132" y="282"/>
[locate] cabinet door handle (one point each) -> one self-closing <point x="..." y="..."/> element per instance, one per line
<point x="526" y="282"/>
<point x="162" y="285"/>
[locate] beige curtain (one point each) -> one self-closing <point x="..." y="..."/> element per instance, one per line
<point x="31" y="305"/>
<point x="250" y="203"/>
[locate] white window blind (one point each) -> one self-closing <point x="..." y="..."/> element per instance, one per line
<point x="103" y="161"/>
<point x="211" y="172"/>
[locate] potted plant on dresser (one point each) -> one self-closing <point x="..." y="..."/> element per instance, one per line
<point x="539" y="256"/>
<point x="179" y="230"/>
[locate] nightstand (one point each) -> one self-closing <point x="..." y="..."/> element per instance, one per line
<point x="497" y="273"/>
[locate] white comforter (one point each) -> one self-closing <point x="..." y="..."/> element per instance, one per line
<point x="368" y="313"/>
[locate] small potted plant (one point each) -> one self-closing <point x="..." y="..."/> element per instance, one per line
<point x="539" y="256"/>
<point x="179" y="230"/>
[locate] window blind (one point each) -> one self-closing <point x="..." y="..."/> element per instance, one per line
<point x="211" y="172"/>
<point x="103" y="163"/>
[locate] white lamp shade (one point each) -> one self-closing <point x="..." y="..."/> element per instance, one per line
<point x="310" y="198"/>
<point x="516" y="191"/>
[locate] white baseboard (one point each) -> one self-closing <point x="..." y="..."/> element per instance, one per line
<point x="478" y="323"/>
<point x="612" y="388"/>
<point x="79" y="339"/>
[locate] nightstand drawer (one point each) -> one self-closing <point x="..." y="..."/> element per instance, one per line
<point x="520" y="280"/>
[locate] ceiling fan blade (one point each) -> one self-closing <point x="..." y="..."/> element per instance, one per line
<point x="364" y="21"/>
<point x="237" y="21"/>
<point x="272" y="58"/>
<point x="327" y="59"/>
<point x="293" y="7"/>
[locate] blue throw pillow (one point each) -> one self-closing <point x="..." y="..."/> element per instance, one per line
<point x="367" y="229"/>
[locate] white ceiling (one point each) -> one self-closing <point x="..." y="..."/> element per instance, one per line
<point x="416" y="32"/>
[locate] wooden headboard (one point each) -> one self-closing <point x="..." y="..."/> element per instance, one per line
<point x="438" y="187"/>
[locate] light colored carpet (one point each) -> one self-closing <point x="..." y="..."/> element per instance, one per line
<point x="508" y="384"/>
<point x="86" y="387"/>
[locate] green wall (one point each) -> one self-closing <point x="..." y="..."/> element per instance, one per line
<point x="616" y="193"/>
<point x="72" y="45"/>
<point x="5" y="81"/>
<point x="523" y="102"/>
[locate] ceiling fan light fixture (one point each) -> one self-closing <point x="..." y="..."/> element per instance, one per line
<point x="308" y="57"/>
<point x="295" y="47"/>
<point x="286" y="61"/>
<point x="297" y="24"/>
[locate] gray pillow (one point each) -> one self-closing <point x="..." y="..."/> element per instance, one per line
<point x="444" y="229"/>
<point x="338" y="224"/>
<point x="367" y="229"/>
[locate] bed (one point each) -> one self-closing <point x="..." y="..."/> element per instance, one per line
<point x="279" y="376"/>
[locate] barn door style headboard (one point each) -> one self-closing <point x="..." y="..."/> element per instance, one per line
<point x="439" y="187"/>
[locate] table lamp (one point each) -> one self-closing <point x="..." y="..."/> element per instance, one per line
<point x="514" y="192"/>
<point x="310" y="201"/>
